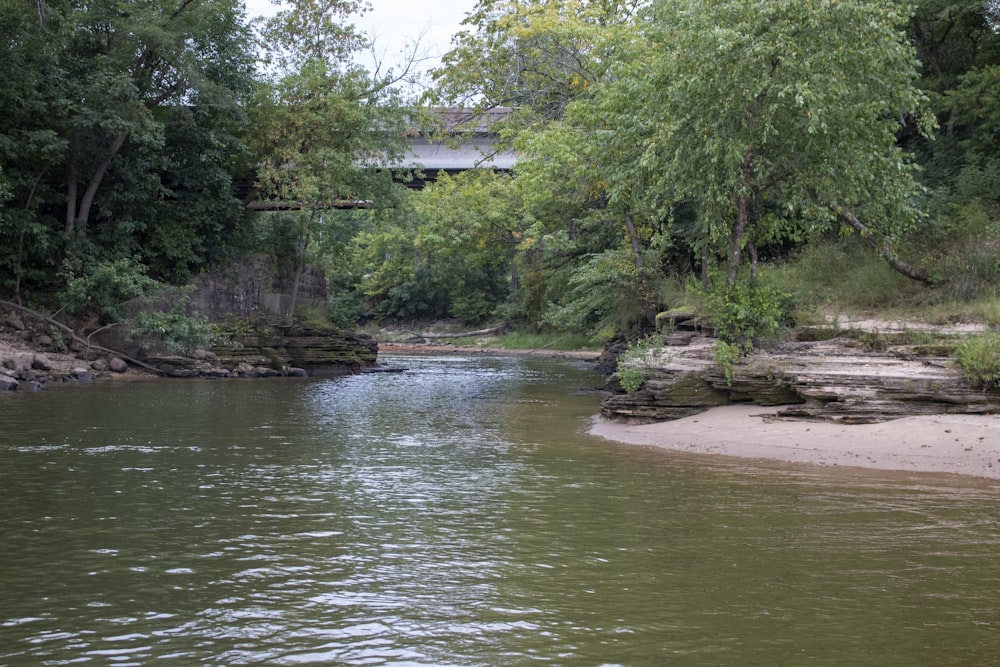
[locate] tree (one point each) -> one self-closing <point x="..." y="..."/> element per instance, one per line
<point x="324" y="130"/>
<point x="125" y="60"/>
<point x="95" y="96"/>
<point x="451" y="252"/>
<point x="534" y="56"/>
<point x="777" y="118"/>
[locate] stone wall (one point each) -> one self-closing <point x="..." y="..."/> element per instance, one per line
<point x="256" y="286"/>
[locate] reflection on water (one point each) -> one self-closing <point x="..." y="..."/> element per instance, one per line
<point x="458" y="514"/>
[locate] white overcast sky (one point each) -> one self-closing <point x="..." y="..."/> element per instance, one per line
<point x="396" y="24"/>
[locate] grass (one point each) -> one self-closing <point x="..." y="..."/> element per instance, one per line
<point x="843" y="276"/>
<point x="979" y="359"/>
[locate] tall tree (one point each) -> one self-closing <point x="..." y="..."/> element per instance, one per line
<point x="532" y="55"/>
<point x="778" y="117"/>
<point x="94" y="95"/>
<point x="128" y="58"/>
<point x="325" y="131"/>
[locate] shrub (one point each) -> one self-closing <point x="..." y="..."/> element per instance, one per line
<point x="979" y="359"/>
<point x="104" y="285"/>
<point x="749" y="311"/>
<point x="637" y="360"/>
<point x="179" y="332"/>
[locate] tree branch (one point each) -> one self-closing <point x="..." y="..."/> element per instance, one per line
<point x="72" y="334"/>
<point x="913" y="272"/>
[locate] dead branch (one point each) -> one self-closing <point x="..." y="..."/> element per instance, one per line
<point x="73" y="335"/>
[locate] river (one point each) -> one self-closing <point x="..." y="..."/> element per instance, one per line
<point x="459" y="514"/>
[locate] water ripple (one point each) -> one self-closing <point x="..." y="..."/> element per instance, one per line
<point x="457" y="515"/>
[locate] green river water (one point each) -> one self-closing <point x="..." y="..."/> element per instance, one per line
<point x="459" y="514"/>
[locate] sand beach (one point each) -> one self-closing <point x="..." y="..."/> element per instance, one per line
<point x="955" y="444"/>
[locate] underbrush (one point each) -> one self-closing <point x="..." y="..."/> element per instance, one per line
<point x="845" y="277"/>
<point x="979" y="359"/>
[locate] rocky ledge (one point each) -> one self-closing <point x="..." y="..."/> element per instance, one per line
<point x="30" y="359"/>
<point x="288" y="351"/>
<point x="837" y="380"/>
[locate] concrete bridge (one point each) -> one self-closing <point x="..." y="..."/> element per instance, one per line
<point x="459" y="140"/>
<point x="462" y="140"/>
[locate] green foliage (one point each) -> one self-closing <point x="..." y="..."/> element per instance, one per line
<point x="104" y="285"/>
<point x="603" y="288"/>
<point x="417" y="298"/>
<point x="451" y="255"/>
<point x="119" y="127"/>
<point x="749" y="311"/>
<point x="842" y="271"/>
<point x="175" y="329"/>
<point x="979" y="359"/>
<point x="532" y="55"/>
<point x="744" y="314"/>
<point x="346" y="308"/>
<point x="633" y="364"/>
<point x="548" y="340"/>
<point x="727" y="355"/>
<point x="631" y="379"/>
<point x="746" y="122"/>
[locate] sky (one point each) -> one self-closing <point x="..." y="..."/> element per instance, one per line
<point x="396" y="24"/>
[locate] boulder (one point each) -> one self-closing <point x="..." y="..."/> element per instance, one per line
<point x="40" y="362"/>
<point x="117" y="365"/>
<point x="13" y="321"/>
<point x="82" y="374"/>
<point x="19" y="361"/>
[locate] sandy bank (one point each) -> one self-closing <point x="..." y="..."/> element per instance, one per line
<point x="957" y="444"/>
<point x="447" y="348"/>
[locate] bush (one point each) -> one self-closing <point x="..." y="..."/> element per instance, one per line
<point x="637" y="361"/>
<point x="749" y="311"/>
<point x="846" y="272"/>
<point x="178" y="332"/>
<point x="979" y="359"/>
<point x="104" y="285"/>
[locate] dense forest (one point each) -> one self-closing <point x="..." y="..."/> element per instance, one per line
<point x="758" y="158"/>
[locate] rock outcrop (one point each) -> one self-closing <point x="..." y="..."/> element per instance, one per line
<point x="316" y="350"/>
<point x="833" y="380"/>
<point x="290" y="352"/>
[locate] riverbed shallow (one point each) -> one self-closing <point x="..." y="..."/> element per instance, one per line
<point x="459" y="513"/>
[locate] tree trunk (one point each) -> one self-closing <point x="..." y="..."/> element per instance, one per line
<point x="633" y="238"/>
<point x="704" y="263"/>
<point x="912" y="272"/>
<point x="742" y="221"/>
<point x="300" y="267"/>
<point x="87" y="201"/>
<point x="71" y="178"/>
<point x="736" y="241"/>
